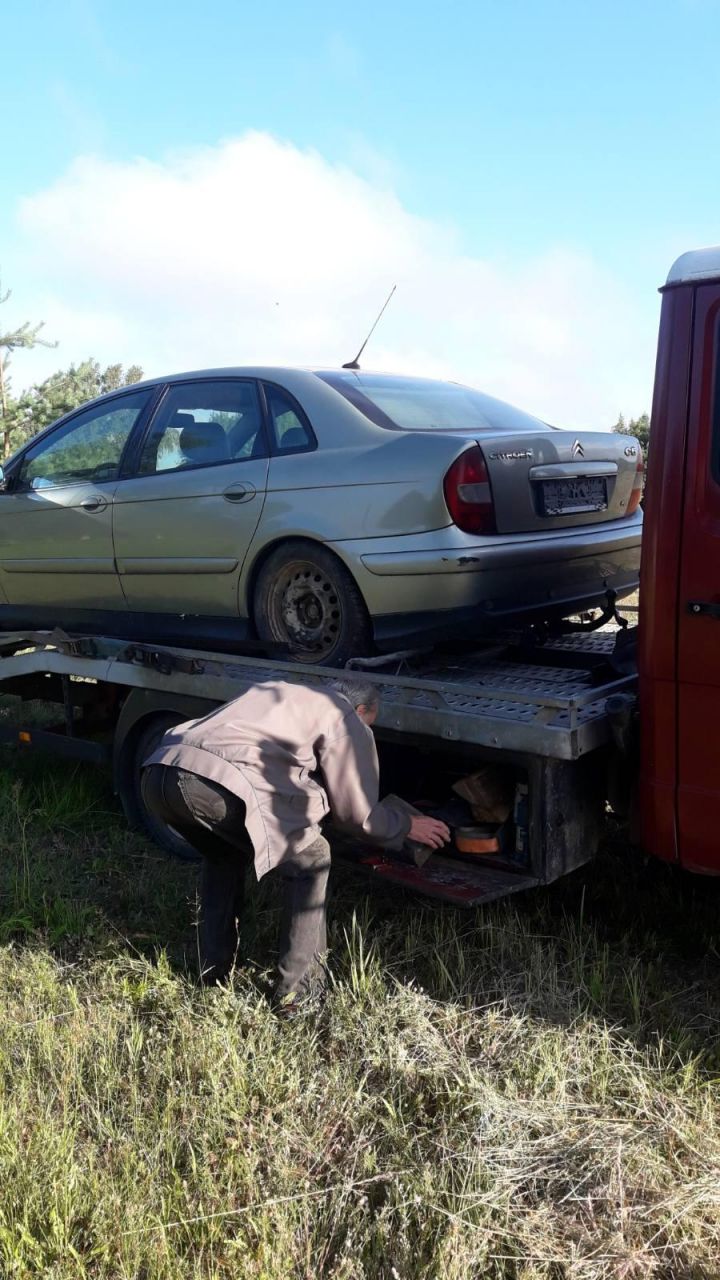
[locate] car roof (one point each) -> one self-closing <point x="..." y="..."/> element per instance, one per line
<point x="286" y="374"/>
<point x="270" y="372"/>
<point x="295" y="378"/>
<point x="267" y="371"/>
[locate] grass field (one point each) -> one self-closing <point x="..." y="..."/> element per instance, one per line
<point x="528" y="1090"/>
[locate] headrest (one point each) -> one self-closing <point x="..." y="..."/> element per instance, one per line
<point x="180" y="419"/>
<point x="295" y="438"/>
<point x="204" y="442"/>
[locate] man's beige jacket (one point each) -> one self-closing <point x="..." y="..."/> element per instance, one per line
<point x="293" y="755"/>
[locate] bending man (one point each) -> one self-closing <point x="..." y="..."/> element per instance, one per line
<point x="253" y="780"/>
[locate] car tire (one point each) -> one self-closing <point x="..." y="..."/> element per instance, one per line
<point x="148" y="737"/>
<point x="306" y="599"/>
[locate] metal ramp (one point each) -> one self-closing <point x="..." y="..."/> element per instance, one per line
<point x="461" y="883"/>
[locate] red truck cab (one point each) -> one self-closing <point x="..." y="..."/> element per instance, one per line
<point x="679" y="654"/>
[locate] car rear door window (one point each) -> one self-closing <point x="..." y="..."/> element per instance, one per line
<point x="87" y="449"/>
<point x="291" y="430"/>
<point x="204" y="424"/>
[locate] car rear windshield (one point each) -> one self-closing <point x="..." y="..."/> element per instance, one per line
<point x="423" y="404"/>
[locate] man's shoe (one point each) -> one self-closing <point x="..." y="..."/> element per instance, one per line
<point x="298" y="1003"/>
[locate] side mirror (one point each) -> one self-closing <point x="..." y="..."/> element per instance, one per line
<point x="3" y="479"/>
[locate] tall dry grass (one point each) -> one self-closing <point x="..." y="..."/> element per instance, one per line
<point x="525" y="1091"/>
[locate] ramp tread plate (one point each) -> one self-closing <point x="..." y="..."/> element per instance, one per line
<point x="447" y="879"/>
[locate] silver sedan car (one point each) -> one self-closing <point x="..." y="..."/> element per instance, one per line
<point x="328" y="512"/>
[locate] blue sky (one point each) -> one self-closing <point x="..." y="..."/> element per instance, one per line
<point x="555" y="139"/>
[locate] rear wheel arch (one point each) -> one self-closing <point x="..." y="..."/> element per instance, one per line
<point x="267" y="551"/>
<point x="356" y="611"/>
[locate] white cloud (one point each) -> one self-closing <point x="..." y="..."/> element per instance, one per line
<point x="256" y="251"/>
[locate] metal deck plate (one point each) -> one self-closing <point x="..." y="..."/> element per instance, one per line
<point x="599" y="643"/>
<point x="541" y="705"/>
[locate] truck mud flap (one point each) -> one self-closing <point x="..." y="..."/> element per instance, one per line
<point x="462" y="884"/>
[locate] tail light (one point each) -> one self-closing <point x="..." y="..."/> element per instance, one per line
<point x="468" y="494"/>
<point x="637" y="490"/>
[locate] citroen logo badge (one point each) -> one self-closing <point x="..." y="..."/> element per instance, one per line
<point x="577" y="450"/>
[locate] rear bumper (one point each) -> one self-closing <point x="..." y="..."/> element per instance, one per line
<point x="420" y="592"/>
<point x="593" y="546"/>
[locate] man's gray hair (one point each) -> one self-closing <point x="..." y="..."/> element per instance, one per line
<point x="361" y="693"/>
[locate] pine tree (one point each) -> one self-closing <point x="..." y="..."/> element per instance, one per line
<point x="25" y="337"/>
<point x="637" y="427"/>
<point x="64" y="390"/>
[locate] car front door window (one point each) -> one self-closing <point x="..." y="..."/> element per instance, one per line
<point x="86" y="450"/>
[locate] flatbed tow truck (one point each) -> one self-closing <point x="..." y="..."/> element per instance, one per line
<point x="540" y="712"/>
<point x="574" y="720"/>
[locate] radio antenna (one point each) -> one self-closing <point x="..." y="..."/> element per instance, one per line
<point x="355" y="364"/>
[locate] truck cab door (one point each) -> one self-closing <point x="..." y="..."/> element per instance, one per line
<point x="698" y="669"/>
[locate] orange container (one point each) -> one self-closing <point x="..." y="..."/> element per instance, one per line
<point x="478" y="840"/>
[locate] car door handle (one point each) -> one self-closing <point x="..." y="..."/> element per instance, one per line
<point x="703" y="609"/>
<point x="94" y="503"/>
<point x="239" y="493"/>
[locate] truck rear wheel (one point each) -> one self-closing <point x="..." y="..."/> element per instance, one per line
<point x="145" y="741"/>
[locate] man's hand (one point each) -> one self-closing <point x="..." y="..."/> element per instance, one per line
<point x="429" y="831"/>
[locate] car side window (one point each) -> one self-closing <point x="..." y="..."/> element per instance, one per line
<point x="86" y="450"/>
<point x="202" y="424"/>
<point x="291" y="431"/>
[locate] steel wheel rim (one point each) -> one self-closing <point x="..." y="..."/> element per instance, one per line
<point x="305" y="608"/>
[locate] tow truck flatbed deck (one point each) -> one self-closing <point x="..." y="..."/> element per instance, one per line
<point x="548" y="702"/>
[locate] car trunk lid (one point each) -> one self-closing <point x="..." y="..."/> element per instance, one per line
<point x="558" y="479"/>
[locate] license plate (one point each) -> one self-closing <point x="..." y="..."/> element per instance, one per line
<point x="570" y="497"/>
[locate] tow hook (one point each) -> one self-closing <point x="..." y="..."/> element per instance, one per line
<point x="541" y="632"/>
<point x="609" y="613"/>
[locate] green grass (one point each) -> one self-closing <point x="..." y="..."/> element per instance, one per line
<point x="528" y="1090"/>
